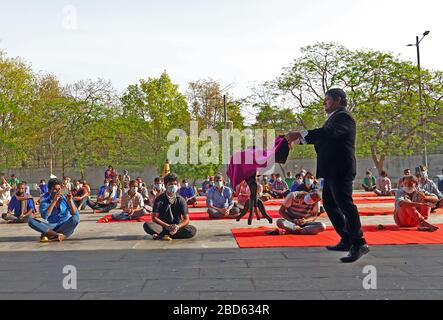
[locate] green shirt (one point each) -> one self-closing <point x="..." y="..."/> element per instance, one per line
<point x="369" y="183"/>
<point x="290" y="181"/>
<point x="14" y="182"/>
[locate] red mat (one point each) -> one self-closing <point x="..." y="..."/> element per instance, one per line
<point x="391" y="235"/>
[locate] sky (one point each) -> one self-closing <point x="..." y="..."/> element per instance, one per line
<point x="236" y="42"/>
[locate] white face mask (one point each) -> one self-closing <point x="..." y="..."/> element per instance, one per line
<point x="172" y="189"/>
<point x="409" y="189"/>
<point x="309" y="182"/>
<point x="186" y="185"/>
<point x="133" y="190"/>
<point x="308" y="199"/>
<point x="219" y="184"/>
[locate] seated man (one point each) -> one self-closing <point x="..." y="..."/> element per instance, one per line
<point x="243" y="193"/>
<point x="279" y="189"/>
<point x="59" y="211"/>
<point x="309" y="183"/>
<point x="106" y="198"/>
<point x="187" y="192"/>
<point x="170" y="219"/>
<point x="206" y="185"/>
<point x="143" y="190"/>
<point x="220" y="201"/>
<point x="20" y="208"/>
<point x="406" y="173"/>
<point x="5" y="192"/>
<point x="297" y="182"/>
<point x="266" y="189"/>
<point x="43" y="187"/>
<point x="426" y="184"/>
<point x="157" y="189"/>
<point x="297" y="210"/>
<point x="80" y="195"/>
<point x="369" y="182"/>
<point x="413" y="206"/>
<point x="383" y="185"/>
<point x="290" y="179"/>
<point x="132" y="204"/>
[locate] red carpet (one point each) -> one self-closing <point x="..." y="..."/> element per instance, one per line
<point x="391" y="235"/>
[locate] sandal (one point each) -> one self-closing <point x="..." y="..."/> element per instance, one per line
<point x="275" y="232"/>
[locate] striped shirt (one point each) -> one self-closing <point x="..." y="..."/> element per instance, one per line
<point x="297" y="208"/>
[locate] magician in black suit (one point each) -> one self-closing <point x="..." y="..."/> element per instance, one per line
<point x="335" y="147"/>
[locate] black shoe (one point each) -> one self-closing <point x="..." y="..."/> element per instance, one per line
<point x="355" y="253"/>
<point x="341" y="246"/>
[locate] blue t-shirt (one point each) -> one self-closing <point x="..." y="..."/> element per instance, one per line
<point x="294" y="186"/>
<point x="44" y="188"/>
<point x="220" y="200"/>
<point x="60" y="214"/>
<point x="15" y="206"/>
<point x="187" y="192"/>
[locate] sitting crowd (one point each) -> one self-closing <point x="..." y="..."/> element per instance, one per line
<point x="168" y="202"/>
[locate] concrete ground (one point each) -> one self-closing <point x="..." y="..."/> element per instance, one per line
<point x="118" y="261"/>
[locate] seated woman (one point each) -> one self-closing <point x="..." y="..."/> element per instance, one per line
<point x="106" y="198"/>
<point x="384" y="186"/>
<point x="219" y="200"/>
<point x="413" y="207"/>
<point x="243" y="193"/>
<point x="170" y="219"/>
<point x="298" y="209"/>
<point x="80" y="194"/>
<point x="132" y="204"/>
<point x="187" y="192"/>
<point x="59" y="211"/>
<point x="20" y="208"/>
<point x="369" y="182"/>
<point x="5" y="192"/>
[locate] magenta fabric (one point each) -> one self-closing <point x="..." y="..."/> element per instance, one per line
<point x="240" y="170"/>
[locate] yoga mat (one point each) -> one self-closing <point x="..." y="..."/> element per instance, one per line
<point x="391" y="235"/>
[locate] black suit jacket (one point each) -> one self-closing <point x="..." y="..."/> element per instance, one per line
<point x="335" y="146"/>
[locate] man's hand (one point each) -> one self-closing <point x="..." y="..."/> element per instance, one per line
<point x="293" y="136"/>
<point x="174" y="229"/>
<point x="57" y="197"/>
<point x="69" y="197"/>
<point x="421" y="196"/>
<point x="299" y="222"/>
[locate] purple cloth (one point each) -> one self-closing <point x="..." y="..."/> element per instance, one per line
<point x="245" y="164"/>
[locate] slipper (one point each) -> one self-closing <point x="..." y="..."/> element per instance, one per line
<point x="44" y="240"/>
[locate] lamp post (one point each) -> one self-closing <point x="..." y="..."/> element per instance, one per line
<point x="417" y="45"/>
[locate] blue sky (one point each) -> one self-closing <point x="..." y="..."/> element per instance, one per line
<point x="238" y="42"/>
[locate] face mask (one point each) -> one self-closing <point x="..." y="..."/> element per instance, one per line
<point x="424" y="175"/>
<point x="300" y="181"/>
<point x="309" y="182"/>
<point x="186" y="185"/>
<point x="212" y="183"/>
<point x="78" y="187"/>
<point x="279" y="179"/>
<point x="409" y="189"/>
<point x="219" y="184"/>
<point x="172" y="189"/>
<point x="157" y="187"/>
<point x="308" y="199"/>
<point x="106" y="185"/>
<point x="53" y="194"/>
<point x="133" y="190"/>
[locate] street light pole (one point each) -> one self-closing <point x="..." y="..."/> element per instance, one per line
<point x="420" y="93"/>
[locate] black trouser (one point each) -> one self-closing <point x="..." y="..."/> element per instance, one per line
<point x="187" y="232"/>
<point x="338" y="203"/>
<point x="101" y="206"/>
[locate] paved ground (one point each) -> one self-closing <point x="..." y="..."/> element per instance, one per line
<point x="119" y="261"/>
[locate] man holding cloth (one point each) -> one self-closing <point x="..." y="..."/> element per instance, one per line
<point x="335" y="147"/>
